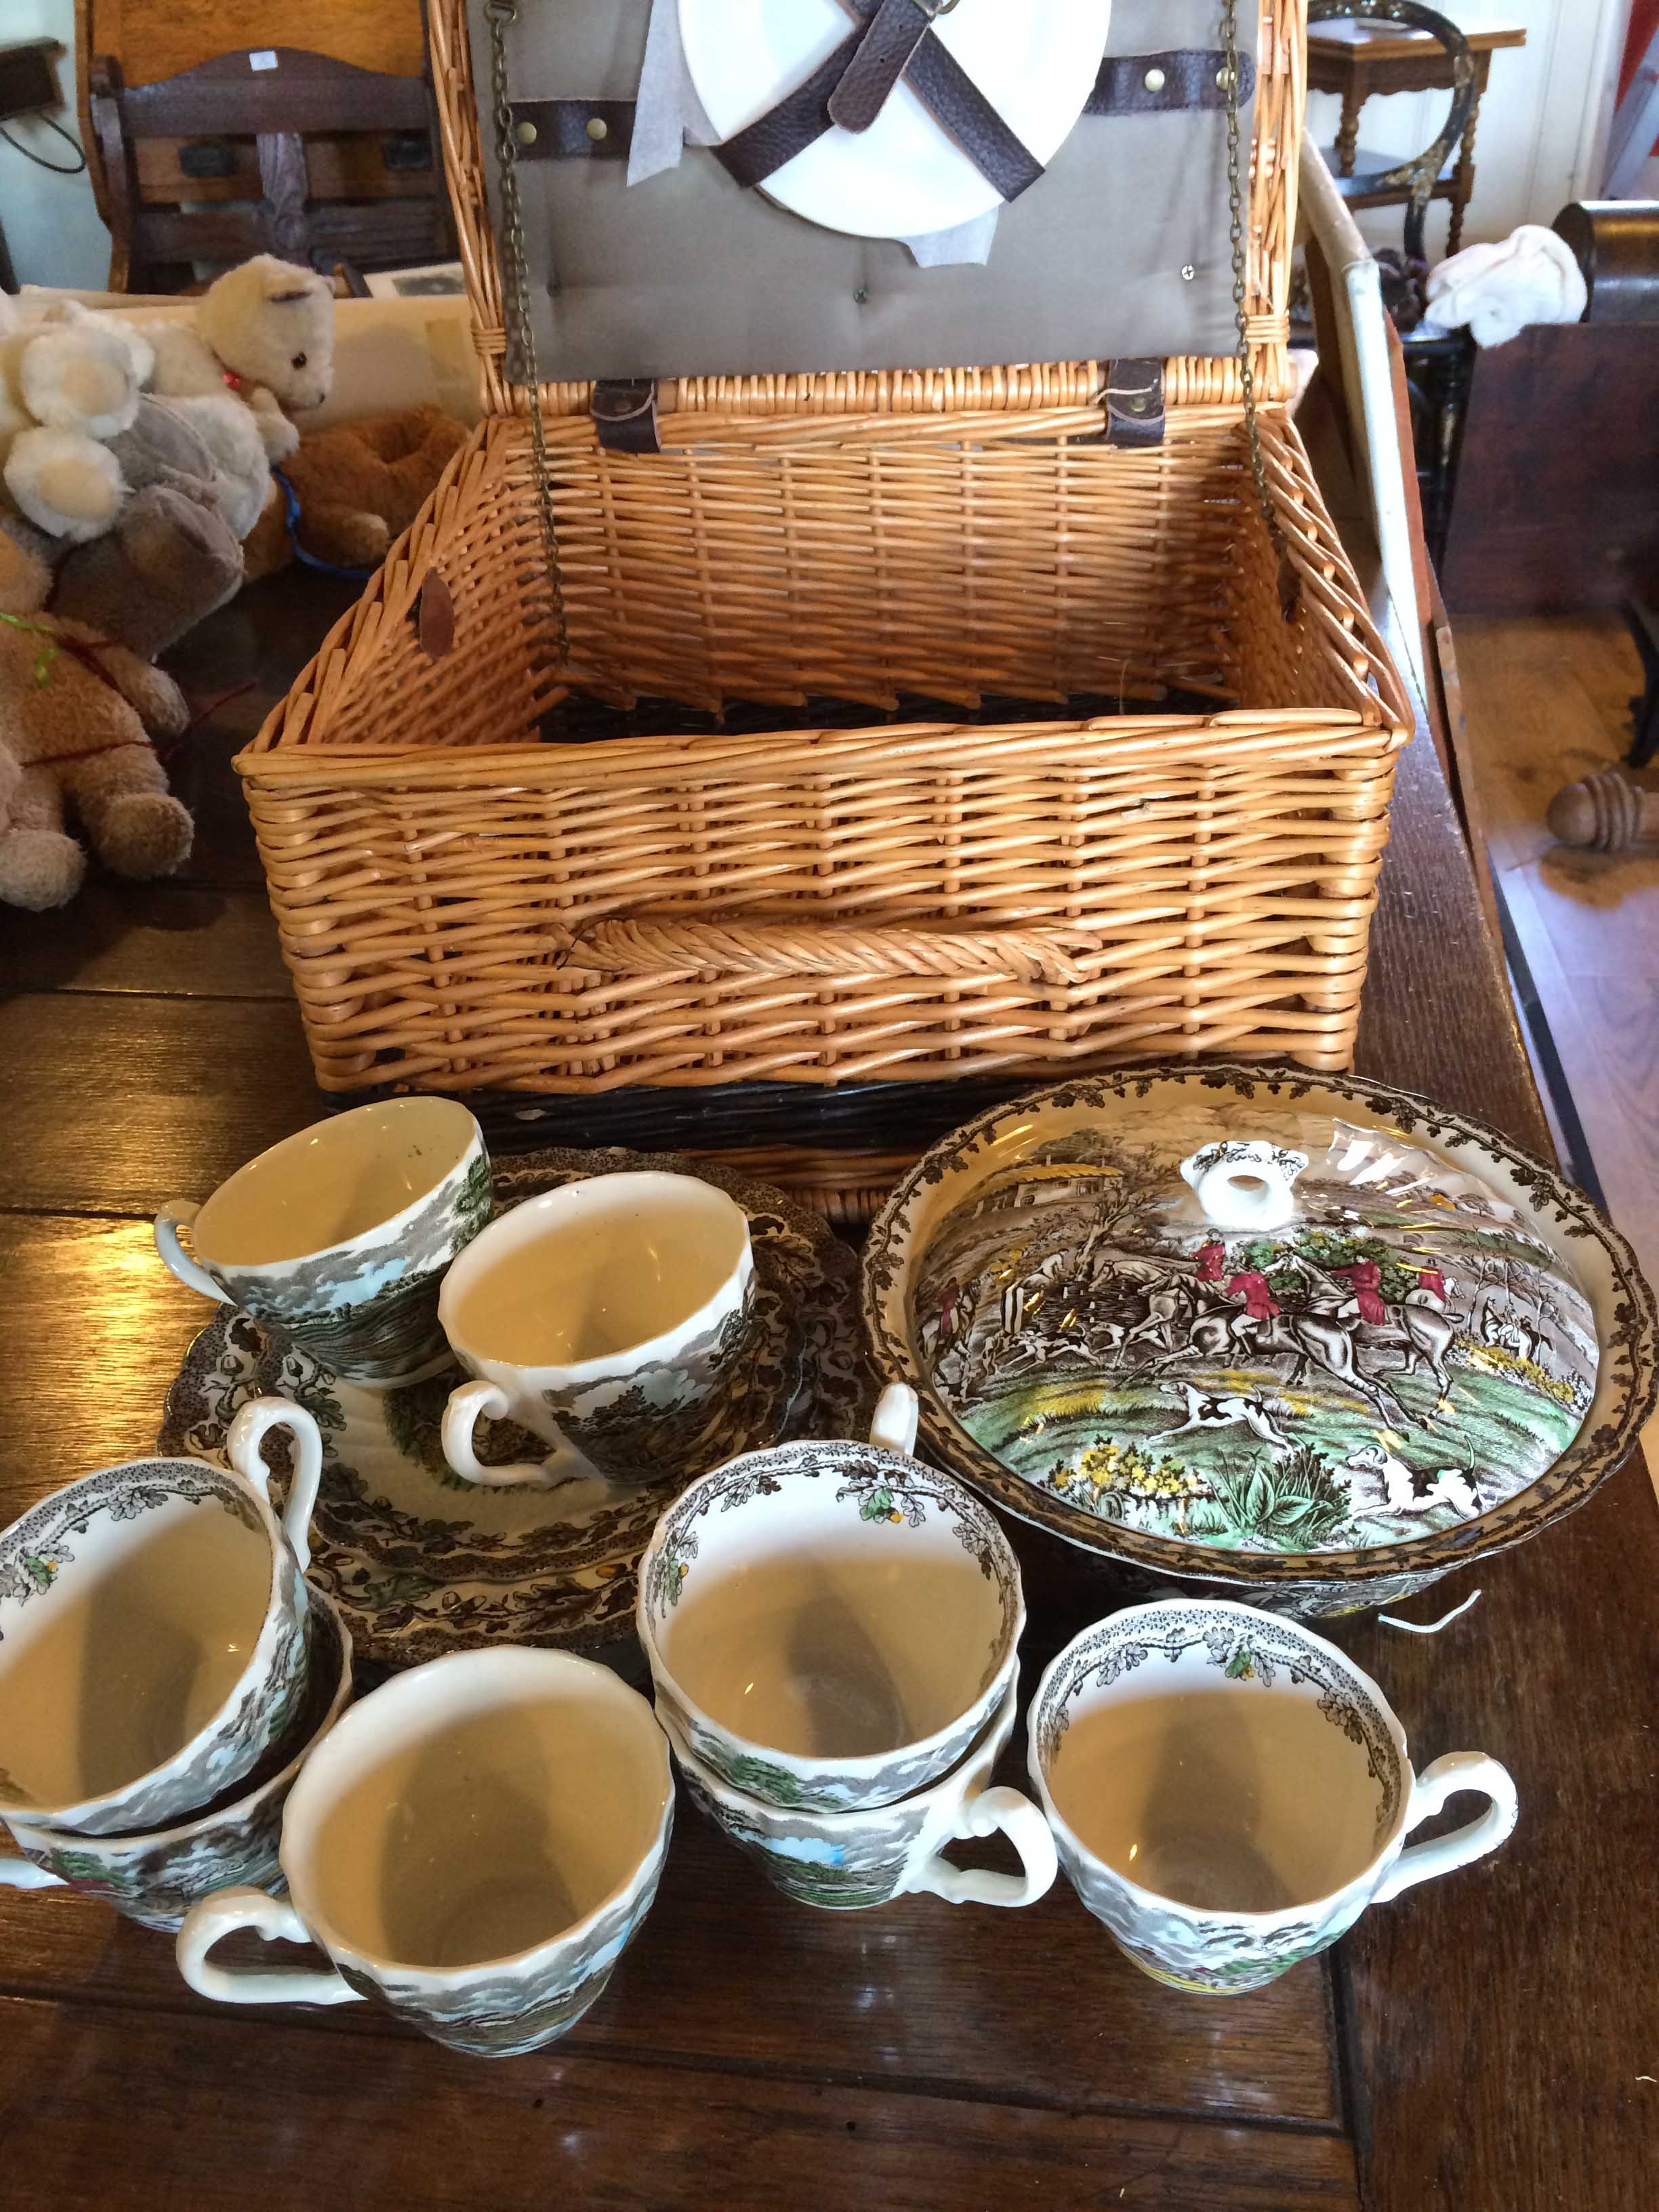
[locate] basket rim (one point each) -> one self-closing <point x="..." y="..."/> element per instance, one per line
<point x="1277" y="129"/>
<point x="284" y="747"/>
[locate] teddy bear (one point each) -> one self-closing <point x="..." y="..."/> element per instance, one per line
<point x="69" y="381"/>
<point x="175" y="552"/>
<point x="357" y="487"/>
<point x="264" y="332"/>
<point x="172" y="557"/>
<point x="75" y="714"/>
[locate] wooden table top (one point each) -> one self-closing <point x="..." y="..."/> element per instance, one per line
<point x="1478" y="2044"/>
<point x="1386" y="42"/>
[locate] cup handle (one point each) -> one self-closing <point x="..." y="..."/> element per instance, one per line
<point x="178" y="1214"/>
<point x="893" y="1426"/>
<point x="1458" y="1770"/>
<point x="221" y="1915"/>
<point x="23" y="1874"/>
<point x="469" y="1402"/>
<point x="989" y="1813"/>
<point x="242" y="1448"/>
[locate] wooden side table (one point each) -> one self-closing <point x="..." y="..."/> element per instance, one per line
<point x="1355" y="60"/>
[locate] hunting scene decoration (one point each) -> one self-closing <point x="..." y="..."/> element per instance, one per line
<point x="1399" y="1356"/>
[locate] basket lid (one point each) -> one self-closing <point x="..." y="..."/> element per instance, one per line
<point x="1117" y="246"/>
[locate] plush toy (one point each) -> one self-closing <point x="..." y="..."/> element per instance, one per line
<point x="172" y="557"/>
<point x="74" y="713"/>
<point x="175" y="553"/>
<point x="355" y="489"/>
<point x="69" y="382"/>
<point x="264" y="332"/>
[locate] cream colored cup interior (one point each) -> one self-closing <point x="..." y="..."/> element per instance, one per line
<point x="145" y="1634"/>
<point x="595" y="1270"/>
<point x="465" y="1828"/>
<point x="847" y="1641"/>
<point x="1231" y="1796"/>
<point x="332" y="1182"/>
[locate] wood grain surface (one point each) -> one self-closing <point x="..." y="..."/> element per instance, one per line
<point x="1476" y="2045"/>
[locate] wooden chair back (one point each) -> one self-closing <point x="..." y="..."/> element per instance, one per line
<point x="1413" y="181"/>
<point x="283" y="151"/>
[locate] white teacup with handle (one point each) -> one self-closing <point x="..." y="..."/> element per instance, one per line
<point x="848" y="1860"/>
<point x="153" y="1632"/>
<point x="606" y="1317"/>
<point x="473" y="1847"/>
<point x="1228" y="1792"/>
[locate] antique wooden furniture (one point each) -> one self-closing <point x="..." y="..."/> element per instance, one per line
<point x="1616" y="244"/>
<point x="276" y="150"/>
<point x="1557" y="504"/>
<point x="1356" y="59"/>
<point x="1606" y="812"/>
<point x="156" y="38"/>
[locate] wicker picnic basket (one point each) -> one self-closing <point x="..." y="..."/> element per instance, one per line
<point x="566" y="853"/>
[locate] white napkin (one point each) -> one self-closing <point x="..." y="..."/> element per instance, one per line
<point x="1499" y="290"/>
<point x="668" y="116"/>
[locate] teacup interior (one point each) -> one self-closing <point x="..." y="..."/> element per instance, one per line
<point x="134" y="1635"/>
<point x="839" y="1639"/>
<point x="595" y="1269"/>
<point x="332" y="1183"/>
<point x="1231" y="1796"/>
<point x="470" y="1835"/>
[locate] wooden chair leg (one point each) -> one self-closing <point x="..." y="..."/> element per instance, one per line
<point x="1462" y="183"/>
<point x="1347" y="134"/>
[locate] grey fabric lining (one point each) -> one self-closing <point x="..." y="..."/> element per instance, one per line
<point x="690" y="274"/>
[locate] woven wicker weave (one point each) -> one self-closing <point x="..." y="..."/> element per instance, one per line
<point x="467" y="906"/>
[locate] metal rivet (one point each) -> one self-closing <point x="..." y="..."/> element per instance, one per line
<point x="1155" y="80"/>
<point x="861" y="295"/>
<point x="525" y="134"/>
<point x="1136" y="404"/>
<point x="597" y="127"/>
<point x="1224" y="79"/>
<point x="1188" y="273"/>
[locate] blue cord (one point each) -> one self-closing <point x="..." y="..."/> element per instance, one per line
<point x="292" y="518"/>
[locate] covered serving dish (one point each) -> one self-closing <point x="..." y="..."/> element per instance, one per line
<point x="1308" y="1335"/>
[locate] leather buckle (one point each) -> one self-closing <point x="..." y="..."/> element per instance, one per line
<point x="624" y="411"/>
<point x="1134" y="403"/>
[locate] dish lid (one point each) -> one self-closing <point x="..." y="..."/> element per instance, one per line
<point x="1275" y="1331"/>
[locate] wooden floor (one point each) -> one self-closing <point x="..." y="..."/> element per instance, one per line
<point x="1547" y="700"/>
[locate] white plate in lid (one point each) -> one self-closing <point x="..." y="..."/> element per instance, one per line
<point x="904" y="177"/>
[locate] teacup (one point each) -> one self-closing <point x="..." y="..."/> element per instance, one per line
<point x="1228" y="1792"/>
<point x="848" y="1860"/>
<point x="830" y="1625"/>
<point x="153" y="1633"/>
<point x="155" y="1879"/>
<point x="337" y="1239"/>
<point x="473" y="1846"/>
<point x="605" y="1317"/>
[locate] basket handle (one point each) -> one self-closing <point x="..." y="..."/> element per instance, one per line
<point x="835" y="950"/>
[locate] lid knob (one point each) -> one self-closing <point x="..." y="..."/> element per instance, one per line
<point x="1245" y="1184"/>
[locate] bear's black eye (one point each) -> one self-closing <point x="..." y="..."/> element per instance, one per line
<point x="298" y="360"/>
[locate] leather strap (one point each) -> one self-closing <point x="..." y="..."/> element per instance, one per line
<point x="958" y="104"/>
<point x="884" y="51"/>
<point x="625" y="415"/>
<point x="574" y="129"/>
<point x="565" y="128"/>
<point x="1134" y="404"/>
<point x="1158" y="84"/>
<point x="799" y="118"/>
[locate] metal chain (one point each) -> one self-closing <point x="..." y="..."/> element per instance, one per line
<point x="499" y="13"/>
<point x="1240" y="275"/>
